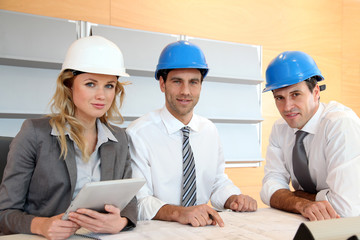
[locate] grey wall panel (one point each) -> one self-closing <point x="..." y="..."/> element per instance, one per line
<point x="229" y="101"/>
<point x="26" y="37"/>
<point x="26" y="90"/>
<point x="240" y="142"/>
<point x="231" y="60"/>
<point x="141" y="49"/>
<point x="142" y="96"/>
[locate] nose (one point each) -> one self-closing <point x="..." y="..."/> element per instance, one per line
<point x="185" y="89"/>
<point x="289" y="104"/>
<point x="100" y="93"/>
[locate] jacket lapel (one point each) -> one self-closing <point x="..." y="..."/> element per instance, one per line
<point x="107" y="156"/>
<point x="71" y="164"/>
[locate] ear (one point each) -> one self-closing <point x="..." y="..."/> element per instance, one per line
<point x="316" y="93"/>
<point x="162" y="84"/>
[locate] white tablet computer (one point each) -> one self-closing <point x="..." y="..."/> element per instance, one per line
<point x="95" y="195"/>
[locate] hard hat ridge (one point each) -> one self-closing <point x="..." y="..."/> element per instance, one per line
<point x="290" y="67"/>
<point x="181" y="54"/>
<point x="95" y="54"/>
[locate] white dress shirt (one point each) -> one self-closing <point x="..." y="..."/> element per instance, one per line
<point x="333" y="150"/>
<point x="89" y="171"/>
<point x="156" y="151"/>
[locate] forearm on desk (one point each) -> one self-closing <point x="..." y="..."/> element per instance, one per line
<point x="289" y="201"/>
<point x="168" y="213"/>
<point x="305" y="195"/>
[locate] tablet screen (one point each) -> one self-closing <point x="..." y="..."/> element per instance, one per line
<point x="96" y="195"/>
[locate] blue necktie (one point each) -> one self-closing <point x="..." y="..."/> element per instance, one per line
<point x="189" y="173"/>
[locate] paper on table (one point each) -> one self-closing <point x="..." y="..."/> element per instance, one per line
<point x="277" y="225"/>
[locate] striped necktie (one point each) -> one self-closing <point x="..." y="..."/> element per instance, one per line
<point x="189" y="173"/>
<point x="300" y="164"/>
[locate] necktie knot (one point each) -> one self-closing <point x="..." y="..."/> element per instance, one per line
<point x="186" y="131"/>
<point x="300" y="135"/>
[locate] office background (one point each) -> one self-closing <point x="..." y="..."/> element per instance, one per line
<point x="328" y="30"/>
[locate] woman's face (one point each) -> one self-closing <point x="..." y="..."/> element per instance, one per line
<point x="93" y="95"/>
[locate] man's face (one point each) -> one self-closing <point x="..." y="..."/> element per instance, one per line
<point x="297" y="104"/>
<point x="182" y="91"/>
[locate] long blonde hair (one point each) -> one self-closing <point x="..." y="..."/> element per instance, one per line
<point x="63" y="109"/>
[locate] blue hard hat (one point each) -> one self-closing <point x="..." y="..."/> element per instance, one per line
<point x="182" y="54"/>
<point x="290" y="67"/>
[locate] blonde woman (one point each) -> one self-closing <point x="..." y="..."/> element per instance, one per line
<point x="52" y="158"/>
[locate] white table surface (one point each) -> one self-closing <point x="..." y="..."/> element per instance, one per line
<point x="265" y="223"/>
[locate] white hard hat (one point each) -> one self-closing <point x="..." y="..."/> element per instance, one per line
<point x="95" y="54"/>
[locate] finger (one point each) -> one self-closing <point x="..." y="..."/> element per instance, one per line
<point x="308" y="213"/>
<point x="311" y="216"/>
<point x="112" y="209"/>
<point x="64" y="223"/>
<point x="234" y="206"/>
<point x="253" y="205"/>
<point x="318" y="214"/>
<point x="245" y="206"/>
<point x="90" y="225"/>
<point x="241" y="203"/>
<point x="324" y="212"/>
<point x="69" y="224"/>
<point x="331" y="211"/>
<point x="88" y="212"/>
<point x="216" y="217"/>
<point x="202" y="220"/>
<point x="209" y="219"/>
<point x="83" y="220"/>
<point x="60" y="232"/>
<point x="194" y="222"/>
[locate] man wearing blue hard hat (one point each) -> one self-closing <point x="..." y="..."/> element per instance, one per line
<point x="178" y="152"/>
<point x="315" y="145"/>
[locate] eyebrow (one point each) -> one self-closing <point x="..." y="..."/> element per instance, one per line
<point x="95" y="80"/>
<point x="176" y="78"/>
<point x="291" y="92"/>
<point x="179" y="78"/>
<point x="296" y="90"/>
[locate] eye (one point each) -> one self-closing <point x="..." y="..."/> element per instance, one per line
<point x="278" y="98"/>
<point x="89" y="84"/>
<point x="194" y="82"/>
<point x="110" y="86"/>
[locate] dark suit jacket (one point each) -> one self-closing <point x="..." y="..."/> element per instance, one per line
<point x="38" y="183"/>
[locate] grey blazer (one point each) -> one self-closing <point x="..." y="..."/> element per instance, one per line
<point x="37" y="183"/>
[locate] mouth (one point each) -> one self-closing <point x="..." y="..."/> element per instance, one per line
<point x="184" y="101"/>
<point x="98" y="105"/>
<point x="291" y="115"/>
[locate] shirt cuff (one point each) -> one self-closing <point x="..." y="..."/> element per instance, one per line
<point x="148" y="207"/>
<point x="269" y="188"/>
<point x="219" y="198"/>
<point x="322" y="195"/>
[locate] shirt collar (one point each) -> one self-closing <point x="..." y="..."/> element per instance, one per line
<point x="173" y="125"/>
<point x="104" y="132"/>
<point x="312" y="125"/>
